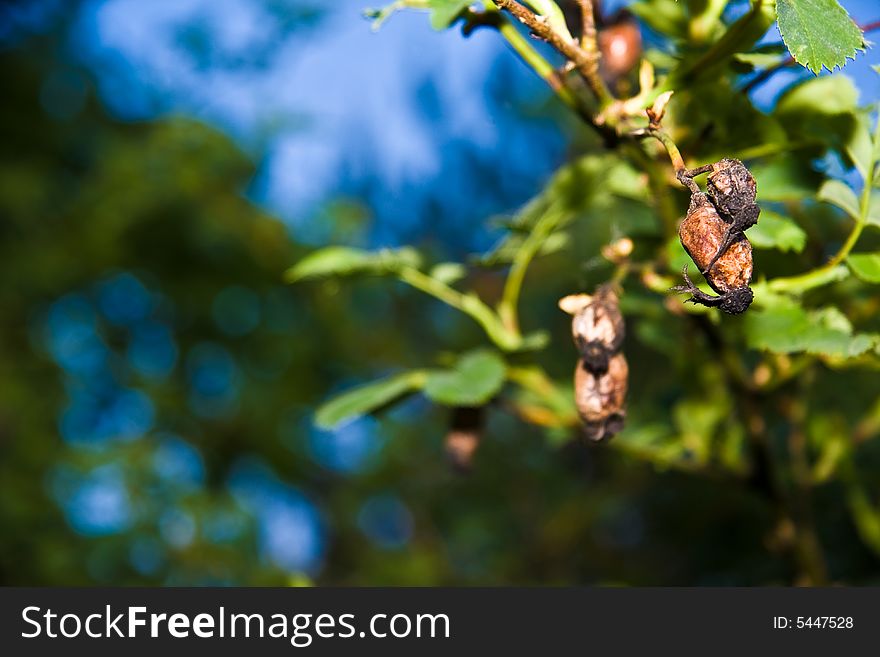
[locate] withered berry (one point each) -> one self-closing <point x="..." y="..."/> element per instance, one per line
<point x="600" y="378"/>
<point x="733" y="191"/>
<point x="731" y="187"/>
<point x="600" y="399"/>
<point x="620" y="44"/>
<point x="597" y="325"/>
<point x="703" y="233"/>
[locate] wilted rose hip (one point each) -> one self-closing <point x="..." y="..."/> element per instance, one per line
<point x="597" y="325"/>
<point x="712" y="234"/>
<point x="600" y="379"/>
<point x="600" y="399"/>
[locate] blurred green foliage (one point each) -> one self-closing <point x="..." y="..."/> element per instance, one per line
<point x="750" y="454"/>
<point x="746" y="391"/>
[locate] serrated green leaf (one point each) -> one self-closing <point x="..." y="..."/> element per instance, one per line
<point x="818" y="33"/>
<point x="448" y="272"/>
<point x="346" y="261"/>
<point x="788" y="328"/>
<point x="472" y="381"/>
<point x="839" y="194"/>
<point x="444" y="12"/>
<point x="865" y="265"/>
<point x="367" y="398"/>
<point x="773" y="231"/>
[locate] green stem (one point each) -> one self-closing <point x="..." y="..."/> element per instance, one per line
<point x="671" y="149"/>
<point x="856" y="232"/>
<point x="469" y="304"/>
<point x="534" y="379"/>
<point x="865" y="515"/>
<point x="664" y="203"/>
<point x="808" y="547"/>
<point x="507" y="307"/>
<point x="832" y="270"/>
<point x="808" y="281"/>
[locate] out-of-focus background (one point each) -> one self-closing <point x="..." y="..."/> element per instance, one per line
<point x="161" y="164"/>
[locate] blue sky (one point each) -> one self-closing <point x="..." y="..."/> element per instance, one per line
<point x="409" y="120"/>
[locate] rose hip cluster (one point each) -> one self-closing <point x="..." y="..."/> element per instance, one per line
<point x="600" y="378"/>
<point x="712" y="234"/>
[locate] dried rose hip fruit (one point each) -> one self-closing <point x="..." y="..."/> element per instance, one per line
<point x="600" y="379"/>
<point x="600" y="399"/>
<point x="732" y="190"/>
<point x="703" y="234"/>
<point x="620" y="44"/>
<point x="731" y="187"/>
<point x="597" y="325"/>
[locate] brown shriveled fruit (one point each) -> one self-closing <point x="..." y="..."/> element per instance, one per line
<point x="621" y="47"/>
<point x="731" y="187"/>
<point x="597" y="325"/>
<point x="600" y="399"/>
<point x="702" y="234"/>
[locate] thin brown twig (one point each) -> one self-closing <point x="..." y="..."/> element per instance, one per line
<point x="588" y="32"/>
<point x="586" y="62"/>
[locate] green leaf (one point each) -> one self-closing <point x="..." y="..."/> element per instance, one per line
<point x="839" y="194"/>
<point x="860" y="147"/>
<point x="874" y="209"/>
<point x="818" y="33"/>
<point x="473" y="381"/>
<point x="444" y="12"/>
<point x="786" y="178"/>
<point x="367" y="398"/>
<point x="821" y="113"/>
<point x="773" y="231"/>
<point x="346" y="261"/>
<point x="664" y="16"/>
<point x="827" y="95"/>
<point x="448" y="272"/>
<point x="865" y="265"/>
<point x="758" y="58"/>
<point x="785" y="328"/>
